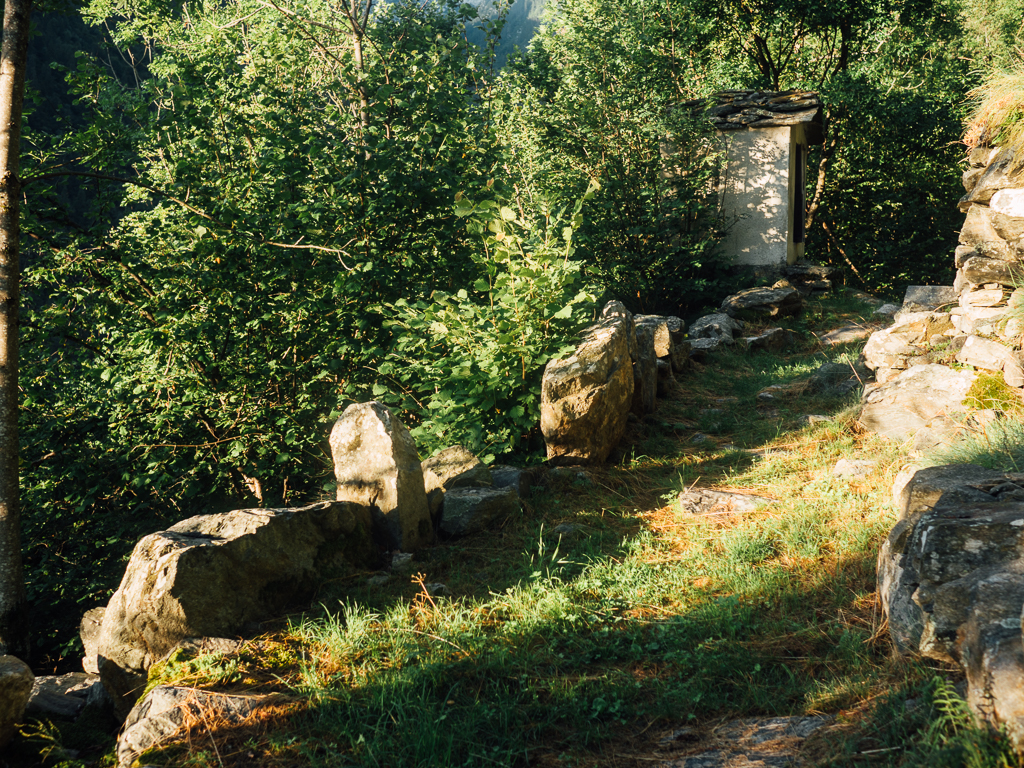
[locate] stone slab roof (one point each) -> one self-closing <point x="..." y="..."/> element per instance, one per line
<point x="734" y="110"/>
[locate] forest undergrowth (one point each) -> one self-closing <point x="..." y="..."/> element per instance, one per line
<point x="605" y="616"/>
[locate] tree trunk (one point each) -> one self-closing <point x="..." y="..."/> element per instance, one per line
<point x="13" y="613"/>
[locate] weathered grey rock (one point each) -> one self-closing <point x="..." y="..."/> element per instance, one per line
<point x="983" y="353"/>
<point x="970" y="180"/>
<point x="15" y="688"/>
<point x="702" y="501"/>
<point x="376" y="464"/>
<point x="983" y="297"/>
<point x="454" y="467"/>
<point x="756" y="303"/>
<point x="1013" y="369"/>
<point x="963" y="253"/>
<point x="666" y="381"/>
<point x="915" y="496"/>
<point x="474" y="510"/>
<point x="645" y="372"/>
<point x="847" y="334"/>
<point x="1013" y="329"/>
<point x="519" y="479"/>
<point x="979" y="270"/>
<point x="756" y="742"/>
<point x="854" y="469"/>
<point x="978" y="321"/>
<point x="1008" y="202"/>
<point x="163" y="712"/>
<point x="585" y="398"/>
<point x="997" y="236"/>
<point x="892" y="350"/>
<point x="662" y="336"/>
<point x="771" y="340"/>
<point x="63" y="696"/>
<point x="717" y="326"/>
<point x="927" y="298"/>
<point x="887" y="310"/>
<point x="616" y="309"/>
<point x="982" y="156"/>
<point x="89" y="631"/>
<point x="980" y="231"/>
<point x="679" y="351"/>
<point x="999" y="174"/>
<point x="837" y="379"/>
<point x="212" y="575"/>
<point x="990" y="648"/>
<point x="898" y="409"/>
<point x="699" y="348"/>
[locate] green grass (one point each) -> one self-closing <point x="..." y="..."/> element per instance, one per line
<point x="573" y="649"/>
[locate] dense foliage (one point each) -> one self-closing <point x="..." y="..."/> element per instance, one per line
<point x="597" y="97"/>
<point x="288" y="184"/>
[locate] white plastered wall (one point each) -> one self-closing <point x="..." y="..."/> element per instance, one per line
<point x="757" y="198"/>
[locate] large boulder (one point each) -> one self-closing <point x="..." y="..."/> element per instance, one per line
<point x="15" y="688"/>
<point x="376" y="465"/>
<point x="924" y="396"/>
<point x="951" y="582"/>
<point x="914" y="497"/>
<point x="585" y="398"/>
<point x="716" y="326"/>
<point x="454" y="467"/>
<point x="755" y="303"/>
<point x="63" y="696"/>
<point x="213" y="575"/>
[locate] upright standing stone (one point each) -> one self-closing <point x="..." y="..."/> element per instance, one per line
<point x="585" y="398"/>
<point x="645" y="371"/>
<point x="376" y="464"/>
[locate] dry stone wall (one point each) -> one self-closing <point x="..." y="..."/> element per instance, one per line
<point x="990" y="264"/>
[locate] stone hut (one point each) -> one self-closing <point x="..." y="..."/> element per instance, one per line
<point x="762" y="191"/>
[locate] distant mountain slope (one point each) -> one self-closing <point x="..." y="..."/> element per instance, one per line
<point x="521" y="23"/>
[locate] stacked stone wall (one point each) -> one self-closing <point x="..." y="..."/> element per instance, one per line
<point x="990" y="263"/>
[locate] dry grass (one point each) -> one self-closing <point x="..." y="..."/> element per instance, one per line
<point x="998" y="118"/>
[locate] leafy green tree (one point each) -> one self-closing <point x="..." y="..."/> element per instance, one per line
<point x="594" y="99"/>
<point x="264" y="195"/>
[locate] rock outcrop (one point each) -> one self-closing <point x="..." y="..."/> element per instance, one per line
<point x="376" y="465"/>
<point x="951" y="582"/>
<point x="906" y="343"/>
<point x="213" y="575"/>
